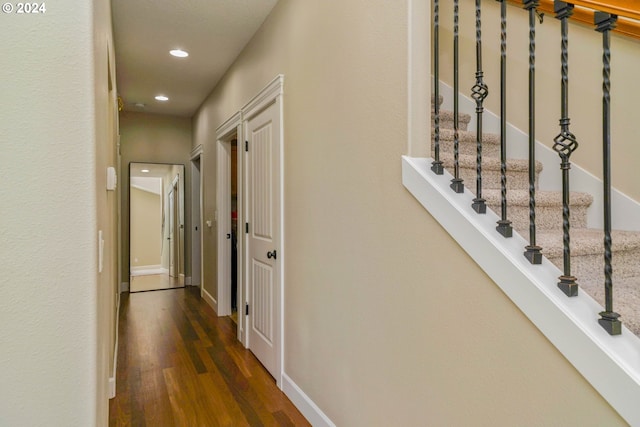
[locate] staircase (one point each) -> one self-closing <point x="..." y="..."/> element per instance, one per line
<point x="587" y="250"/>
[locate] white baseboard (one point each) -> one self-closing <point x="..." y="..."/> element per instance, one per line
<point x="305" y="405"/>
<point x="112" y="387"/>
<point x="124" y="287"/>
<point x="187" y="281"/>
<point x="210" y="300"/>
<point x="112" y="379"/>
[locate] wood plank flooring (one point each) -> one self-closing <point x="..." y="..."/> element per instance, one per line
<point x="181" y="365"/>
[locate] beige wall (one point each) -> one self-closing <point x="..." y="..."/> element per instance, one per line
<point x="58" y="137"/>
<point x="585" y="83"/>
<point x="146" y="226"/>
<point x="387" y="320"/>
<point x="153" y="138"/>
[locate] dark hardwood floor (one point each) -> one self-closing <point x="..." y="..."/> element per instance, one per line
<point x="181" y="365"/>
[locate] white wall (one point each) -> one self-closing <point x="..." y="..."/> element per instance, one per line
<point x="53" y="366"/>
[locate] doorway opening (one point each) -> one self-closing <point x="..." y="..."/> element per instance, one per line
<point x="233" y="190"/>
<point x="229" y="296"/>
<point x="156" y="233"/>
<point x="196" y="218"/>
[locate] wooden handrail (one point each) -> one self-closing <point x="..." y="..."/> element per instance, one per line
<point x="626" y="8"/>
<point x="628" y="12"/>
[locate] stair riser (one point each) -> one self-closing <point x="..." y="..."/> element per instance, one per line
<point x="547" y="217"/>
<point x="591" y="267"/>
<point x="446" y="122"/>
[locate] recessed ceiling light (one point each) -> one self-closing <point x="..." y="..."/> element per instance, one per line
<point x="162" y="98"/>
<point x="145" y="171"/>
<point x="179" y="53"/>
<point x="139" y="105"/>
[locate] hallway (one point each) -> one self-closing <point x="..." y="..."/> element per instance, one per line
<point x="181" y="365"/>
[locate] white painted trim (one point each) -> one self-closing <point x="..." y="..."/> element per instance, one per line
<point x="124" y="287"/>
<point x="196" y="152"/>
<point x="264" y="98"/>
<point x="609" y="363"/>
<point x="227" y="129"/>
<point x="624" y="211"/>
<point x="223" y="207"/>
<point x="209" y="299"/>
<point x="224" y="133"/>
<point x="187" y="281"/>
<point x="418" y="88"/>
<point x="112" y="379"/>
<point x="305" y="405"/>
<point x="112" y="387"/>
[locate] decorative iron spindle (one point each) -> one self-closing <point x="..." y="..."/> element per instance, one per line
<point x="436" y="165"/>
<point x="533" y="252"/>
<point x="504" y="225"/>
<point x="565" y="144"/>
<point x="456" y="183"/>
<point x="605" y="23"/>
<point x="479" y="92"/>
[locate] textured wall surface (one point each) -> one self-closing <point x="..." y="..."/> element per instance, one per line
<point x="53" y="366"/>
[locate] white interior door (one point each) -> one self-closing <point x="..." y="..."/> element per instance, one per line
<point x="263" y="161"/>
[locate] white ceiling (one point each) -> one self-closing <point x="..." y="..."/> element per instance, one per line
<point x="214" y="32"/>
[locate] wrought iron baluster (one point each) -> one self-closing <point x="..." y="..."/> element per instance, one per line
<point x="605" y="23"/>
<point x="456" y="183"/>
<point x="479" y="92"/>
<point x="436" y="165"/>
<point x="504" y="225"/>
<point x="565" y="144"/>
<point x="533" y="252"/>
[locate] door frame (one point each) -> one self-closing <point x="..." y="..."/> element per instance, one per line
<point x="271" y="95"/>
<point x="196" y="219"/>
<point x="224" y="134"/>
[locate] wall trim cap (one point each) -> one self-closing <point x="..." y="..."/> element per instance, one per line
<point x="265" y="97"/>
<point x="229" y="126"/>
<point x="196" y="152"/>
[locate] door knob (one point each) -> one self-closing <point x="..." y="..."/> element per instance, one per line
<point x="271" y="254"/>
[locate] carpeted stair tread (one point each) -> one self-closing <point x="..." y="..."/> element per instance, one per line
<point x="488" y="163"/>
<point x="548" y="208"/>
<point x="543" y="198"/>
<point x="587" y="241"/>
